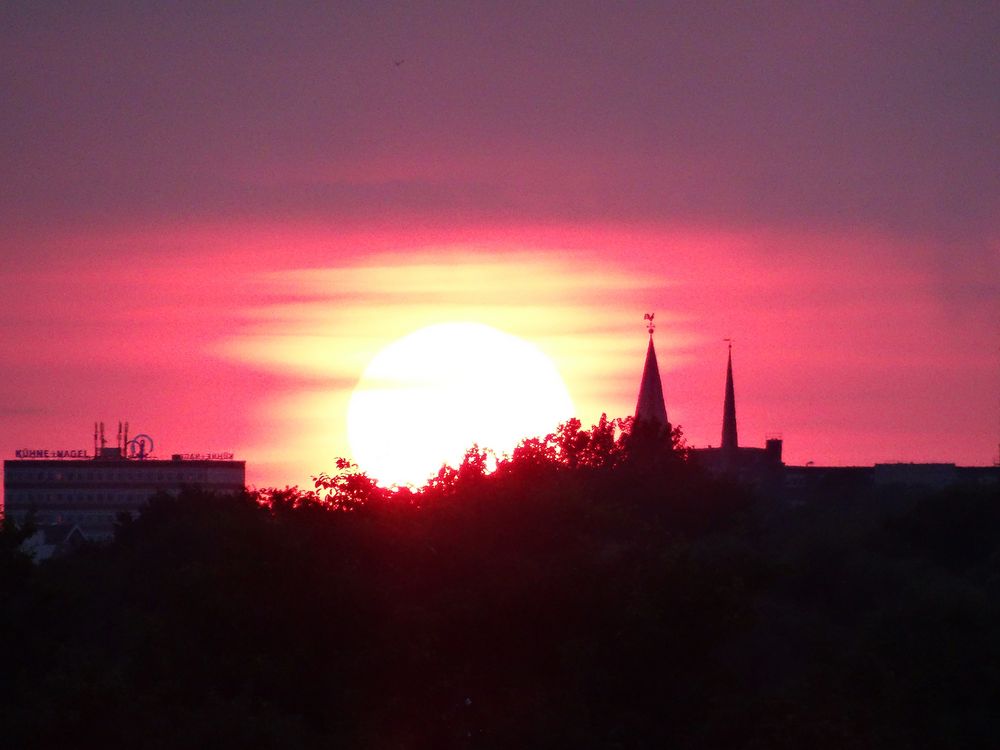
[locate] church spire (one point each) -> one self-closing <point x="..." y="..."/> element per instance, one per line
<point x="650" y="408"/>
<point x="729" y="438"/>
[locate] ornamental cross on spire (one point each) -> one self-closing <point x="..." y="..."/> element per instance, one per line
<point x="650" y="325"/>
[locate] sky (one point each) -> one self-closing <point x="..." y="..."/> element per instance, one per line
<point x="214" y="217"/>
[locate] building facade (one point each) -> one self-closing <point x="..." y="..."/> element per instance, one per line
<point x="91" y="492"/>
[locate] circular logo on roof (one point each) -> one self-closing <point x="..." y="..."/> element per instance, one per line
<point x="139" y="447"/>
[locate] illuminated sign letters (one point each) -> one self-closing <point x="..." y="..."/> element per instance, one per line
<point x="49" y="453"/>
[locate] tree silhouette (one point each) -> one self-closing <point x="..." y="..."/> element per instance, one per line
<point x="572" y="594"/>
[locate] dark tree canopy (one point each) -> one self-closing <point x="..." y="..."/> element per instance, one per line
<point x="567" y="596"/>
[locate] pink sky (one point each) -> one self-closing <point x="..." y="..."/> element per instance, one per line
<point x="212" y="218"/>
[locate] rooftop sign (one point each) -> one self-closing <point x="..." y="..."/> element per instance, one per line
<point x="139" y="447"/>
<point x="49" y="453"/>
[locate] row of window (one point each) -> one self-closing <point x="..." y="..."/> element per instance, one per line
<point x="83" y="519"/>
<point x="109" y="475"/>
<point x="27" y="498"/>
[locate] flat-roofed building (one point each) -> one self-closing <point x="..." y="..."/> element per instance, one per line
<point x="90" y="492"/>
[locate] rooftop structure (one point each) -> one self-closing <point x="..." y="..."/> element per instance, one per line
<point x="72" y="487"/>
<point x="752" y="465"/>
<point x="764" y="467"/>
<point x="650" y="409"/>
<point x="730" y="441"/>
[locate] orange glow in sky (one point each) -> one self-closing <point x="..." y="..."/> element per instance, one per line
<point x="327" y="325"/>
<point x="847" y="360"/>
<point x="214" y="220"/>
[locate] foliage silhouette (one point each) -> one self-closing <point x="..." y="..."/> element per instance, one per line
<point x="566" y="596"/>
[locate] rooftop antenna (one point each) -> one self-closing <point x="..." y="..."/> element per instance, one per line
<point x="103" y="441"/>
<point x="119" y="438"/>
<point x="95" y="438"/>
<point x="650" y="325"/>
<point x="125" y="440"/>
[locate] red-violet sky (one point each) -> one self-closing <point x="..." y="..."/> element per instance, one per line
<point x="214" y="216"/>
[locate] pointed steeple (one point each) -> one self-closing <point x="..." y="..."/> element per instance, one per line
<point x="729" y="438"/>
<point x="650" y="408"/>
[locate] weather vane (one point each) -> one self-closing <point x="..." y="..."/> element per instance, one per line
<point x="730" y="342"/>
<point x="650" y="325"/>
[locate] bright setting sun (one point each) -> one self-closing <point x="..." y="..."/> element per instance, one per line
<point x="426" y="398"/>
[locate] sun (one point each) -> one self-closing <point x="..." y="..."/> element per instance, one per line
<point x="427" y="397"/>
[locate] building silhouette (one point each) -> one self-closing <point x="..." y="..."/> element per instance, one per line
<point x="753" y="465"/>
<point x="764" y="466"/>
<point x="88" y="492"/>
